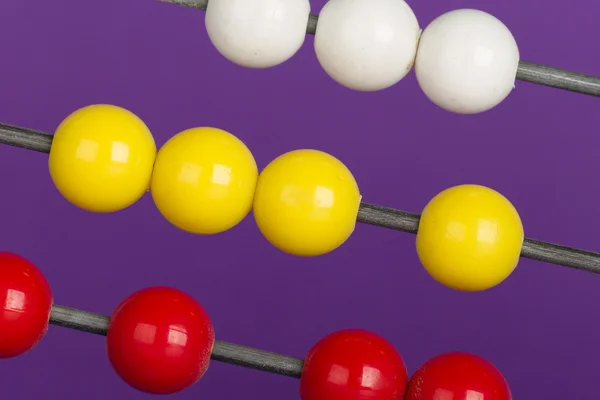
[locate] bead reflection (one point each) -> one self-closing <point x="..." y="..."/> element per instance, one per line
<point x="15" y="301"/>
<point x="221" y="175"/>
<point x="338" y="375"/>
<point x="487" y="232"/>
<point x="189" y="173"/>
<point x="87" y="150"/>
<point x="473" y="395"/>
<point x="371" y="378"/>
<point x="483" y="56"/>
<point x="177" y="335"/>
<point x="145" y="333"/>
<point x="119" y="153"/>
<point x="457" y="230"/>
<point x="324" y="197"/>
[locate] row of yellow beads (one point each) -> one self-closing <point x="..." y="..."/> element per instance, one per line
<point x="203" y="180"/>
<point x="305" y="202"/>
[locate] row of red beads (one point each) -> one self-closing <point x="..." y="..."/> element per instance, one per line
<point x="160" y="340"/>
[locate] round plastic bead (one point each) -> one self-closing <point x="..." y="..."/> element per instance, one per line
<point x="159" y="340"/>
<point x="467" y="61"/>
<point x="367" y="45"/>
<point x="101" y="158"/>
<point x="204" y="180"/>
<point x="457" y="376"/>
<point x="257" y="33"/>
<point x="306" y="203"/>
<point x="469" y="238"/>
<point x="353" y="365"/>
<point x="26" y="301"/>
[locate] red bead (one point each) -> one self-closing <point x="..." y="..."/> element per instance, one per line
<point x="26" y="301"/>
<point x="353" y="365"/>
<point x="160" y="340"/>
<point x="457" y="376"/>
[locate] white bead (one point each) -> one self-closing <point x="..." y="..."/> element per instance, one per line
<point x="467" y="61"/>
<point x="367" y="45"/>
<point x="257" y="33"/>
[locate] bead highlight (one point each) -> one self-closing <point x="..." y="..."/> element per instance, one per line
<point x="458" y="376"/>
<point x="204" y="180"/>
<point x="467" y="61"/>
<point x="26" y="300"/>
<point x="101" y="158"/>
<point x="159" y="340"/>
<point x="367" y="45"/>
<point x="257" y="33"/>
<point x="306" y="203"/>
<point x="353" y="365"/>
<point x="469" y="238"/>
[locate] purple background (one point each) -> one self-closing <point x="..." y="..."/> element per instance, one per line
<point x="539" y="148"/>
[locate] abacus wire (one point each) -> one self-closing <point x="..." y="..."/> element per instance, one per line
<point x="527" y="72"/>
<point x="368" y="213"/>
<point x="222" y="351"/>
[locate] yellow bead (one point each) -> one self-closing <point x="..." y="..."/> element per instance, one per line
<point x="469" y="238"/>
<point x="101" y="158"/>
<point x="306" y="203"/>
<point x="204" y="180"/>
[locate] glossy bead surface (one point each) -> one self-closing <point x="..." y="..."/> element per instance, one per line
<point x="467" y="61"/>
<point x="469" y="238"/>
<point x="306" y="203"/>
<point x="367" y="45"/>
<point x="101" y="158"/>
<point x="26" y="301"/>
<point x="257" y="33"/>
<point x="353" y="365"/>
<point x="457" y="376"/>
<point x="159" y="340"/>
<point x="204" y="180"/>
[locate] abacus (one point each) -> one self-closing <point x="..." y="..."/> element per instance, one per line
<point x="312" y="226"/>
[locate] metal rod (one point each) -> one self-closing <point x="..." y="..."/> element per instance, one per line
<point x="370" y="214"/>
<point x="533" y="249"/>
<point x="222" y="351"/>
<point x="25" y="138"/>
<point x="559" y="78"/>
<point x="527" y="72"/>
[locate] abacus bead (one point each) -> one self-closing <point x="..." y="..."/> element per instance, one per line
<point x="353" y="365"/>
<point x="457" y="376"/>
<point x="204" y="180"/>
<point x="306" y="203"/>
<point x="258" y="33"/>
<point x="467" y="61"/>
<point x="159" y="340"/>
<point x="26" y="301"/>
<point x="366" y="45"/>
<point x="101" y="158"/>
<point x="469" y="238"/>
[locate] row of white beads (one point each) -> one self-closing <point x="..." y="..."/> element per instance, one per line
<point x="465" y="61"/>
